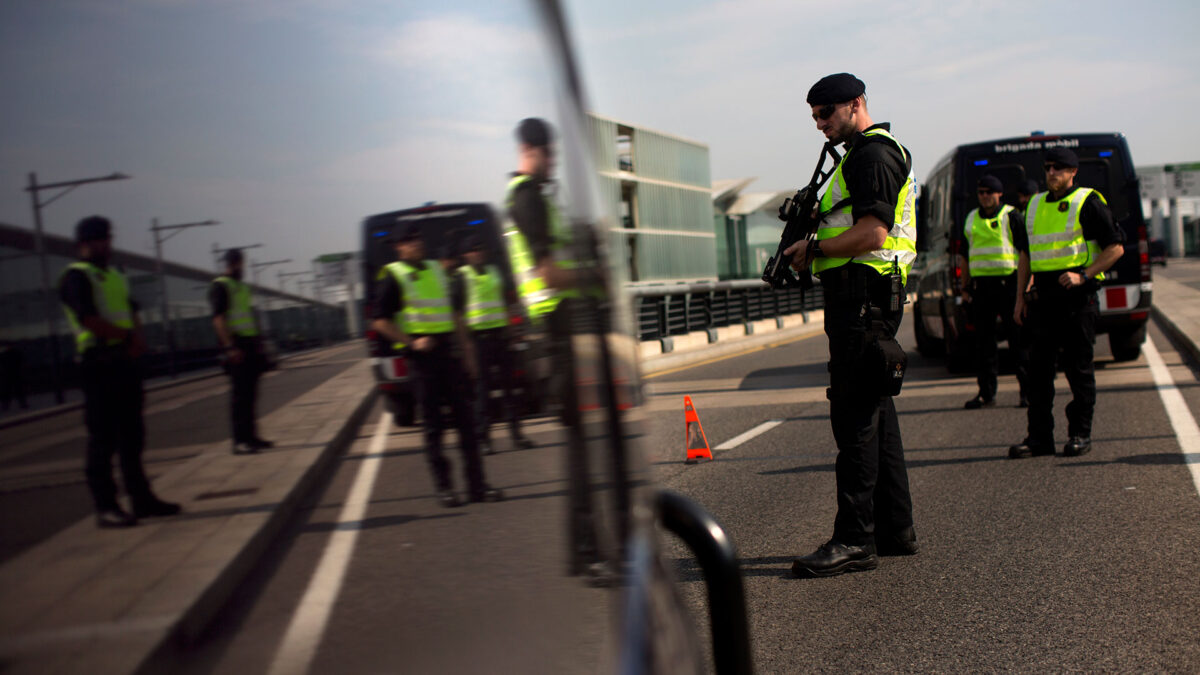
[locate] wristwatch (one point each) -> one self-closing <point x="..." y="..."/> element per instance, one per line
<point x="815" y="251"/>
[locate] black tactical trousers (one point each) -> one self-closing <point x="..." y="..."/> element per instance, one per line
<point x="993" y="297"/>
<point x="495" y="372"/>
<point x="872" y="480"/>
<point x="243" y="391"/>
<point x="1065" y="320"/>
<point x="441" y="381"/>
<point x="112" y="412"/>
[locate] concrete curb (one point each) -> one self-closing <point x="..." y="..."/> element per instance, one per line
<point x="737" y="345"/>
<point x="192" y="623"/>
<point x="1176" y="334"/>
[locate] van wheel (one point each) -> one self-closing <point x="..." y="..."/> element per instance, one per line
<point x="927" y="346"/>
<point x="1126" y="343"/>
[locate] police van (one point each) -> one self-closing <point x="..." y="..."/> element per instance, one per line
<point x="443" y="228"/>
<point x="940" y="320"/>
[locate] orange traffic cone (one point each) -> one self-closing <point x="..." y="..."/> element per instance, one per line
<point x="692" y="421"/>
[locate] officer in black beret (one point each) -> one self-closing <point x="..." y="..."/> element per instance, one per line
<point x="863" y="249"/>
<point x="414" y="310"/>
<point x="990" y="286"/>
<point x="1069" y="240"/>
<point x="1026" y="189"/>
<point x="236" y="326"/>
<point x="108" y="340"/>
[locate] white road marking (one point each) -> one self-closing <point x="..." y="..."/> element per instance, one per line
<point x="299" y="645"/>
<point x="1181" y="418"/>
<point x="742" y="438"/>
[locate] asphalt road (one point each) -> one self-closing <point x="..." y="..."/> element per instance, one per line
<point x="42" y="487"/>
<point x="1047" y="564"/>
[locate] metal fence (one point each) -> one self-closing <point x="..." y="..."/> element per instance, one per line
<point x="663" y="311"/>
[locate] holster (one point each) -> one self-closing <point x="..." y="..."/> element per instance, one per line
<point x="884" y="361"/>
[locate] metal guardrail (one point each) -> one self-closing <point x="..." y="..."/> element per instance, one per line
<point x="678" y="309"/>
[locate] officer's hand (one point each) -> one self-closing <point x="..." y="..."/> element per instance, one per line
<point x="423" y="343"/>
<point x="1019" y="311"/>
<point x="799" y="253"/>
<point x="236" y="355"/>
<point x="1070" y="279"/>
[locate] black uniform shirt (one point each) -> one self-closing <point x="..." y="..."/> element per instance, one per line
<point x="218" y="298"/>
<point x="528" y="211"/>
<point x="874" y="173"/>
<point x="1094" y="217"/>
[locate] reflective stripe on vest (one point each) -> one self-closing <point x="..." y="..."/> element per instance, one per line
<point x="538" y="297"/>
<point x="426" y="309"/>
<point x="110" y="295"/>
<point x="901" y="243"/>
<point x="485" y="301"/>
<point x="992" y="253"/>
<point x="1056" y="236"/>
<point x="240" y="314"/>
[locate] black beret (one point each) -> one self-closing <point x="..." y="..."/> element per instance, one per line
<point x="93" y="228"/>
<point x="991" y="183"/>
<point x="837" y="88"/>
<point x="534" y="131"/>
<point x="406" y="232"/>
<point x="1061" y="156"/>
<point x="233" y="255"/>
<point x="1027" y="187"/>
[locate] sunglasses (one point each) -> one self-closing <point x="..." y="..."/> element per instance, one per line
<point x="1055" y="166"/>
<point x="825" y="112"/>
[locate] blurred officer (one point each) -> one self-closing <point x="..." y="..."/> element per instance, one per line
<point x="992" y="280"/>
<point x="108" y="339"/>
<point x="413" y="307"/>
<point x="862" y="252"/>
<point x="1026" y="189"/>
<point x="478" y="292"/>
<point x="548" y="285"/>
<point x="12" y="377"/>
<point x="237" y="329"/>
<point x="1068" y="242"/>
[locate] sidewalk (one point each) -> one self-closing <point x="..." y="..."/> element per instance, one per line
<point x="105" y="601"/>
<point x="1177" y="303"/>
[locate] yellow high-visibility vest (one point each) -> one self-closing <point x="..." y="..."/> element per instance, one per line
<point x="240" y="315"/>
<point x="992" y="253"/>
<point x="1055" y="234"/>
<point x="485" y="300"/>
<point x="110" y="294"/>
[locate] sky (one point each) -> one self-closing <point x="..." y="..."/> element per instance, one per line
<point x="291" y="120"/>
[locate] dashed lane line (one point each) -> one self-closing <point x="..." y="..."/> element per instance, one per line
<point x="743" y="437"/>
<point x="1186" y="430"/>
<point x="299" y="645"/>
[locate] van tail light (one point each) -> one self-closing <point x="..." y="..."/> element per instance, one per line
<point x="372" y="336"/>
<point x="1143" y="247"/>
<point x="956" y="270"/>
<point x="399" y="367"/>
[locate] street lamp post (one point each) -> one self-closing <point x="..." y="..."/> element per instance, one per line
<point x="159" y="240"/>
<point x="254" y="269"/>
<point x="40" y="247"/>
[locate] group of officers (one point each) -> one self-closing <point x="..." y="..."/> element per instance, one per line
<point x="108" y="342"/>
<point x="1037" y="268"/>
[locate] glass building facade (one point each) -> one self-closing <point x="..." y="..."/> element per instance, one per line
<point x="291" y="320"/>
<point x="659" y="189"/>
<point x="747" y="226"/>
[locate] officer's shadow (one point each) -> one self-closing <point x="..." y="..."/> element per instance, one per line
<point x="689" y="570"/>
<point x="911" y="464"/>
<point x="1152" y="459"/>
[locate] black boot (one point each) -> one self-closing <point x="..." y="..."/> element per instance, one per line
<point x="903" y="542"/>
<point x="1077" y="445"/>
<point x="1031" y="448"/>
<point x="979" y="402"/>
<point x="833" y="558"/>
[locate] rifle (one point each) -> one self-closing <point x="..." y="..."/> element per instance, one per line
<point x="801" y="223"/>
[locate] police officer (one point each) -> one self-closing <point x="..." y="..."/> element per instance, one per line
<point x="992" y="284"/>
<point x="108" y="339"/>
<point x="479" y="293"/>
<point x="864" y="247"/>
<point x="237" y="330"/>
<point x="548" y="284"/>
<point x="413" y="307"/>
<point x="1068" y="242"/>
<point x="1026" y="189"/>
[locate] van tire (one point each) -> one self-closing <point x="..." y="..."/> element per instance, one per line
<point x="1126" y="343"/>
<point x="927" y="346"/>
